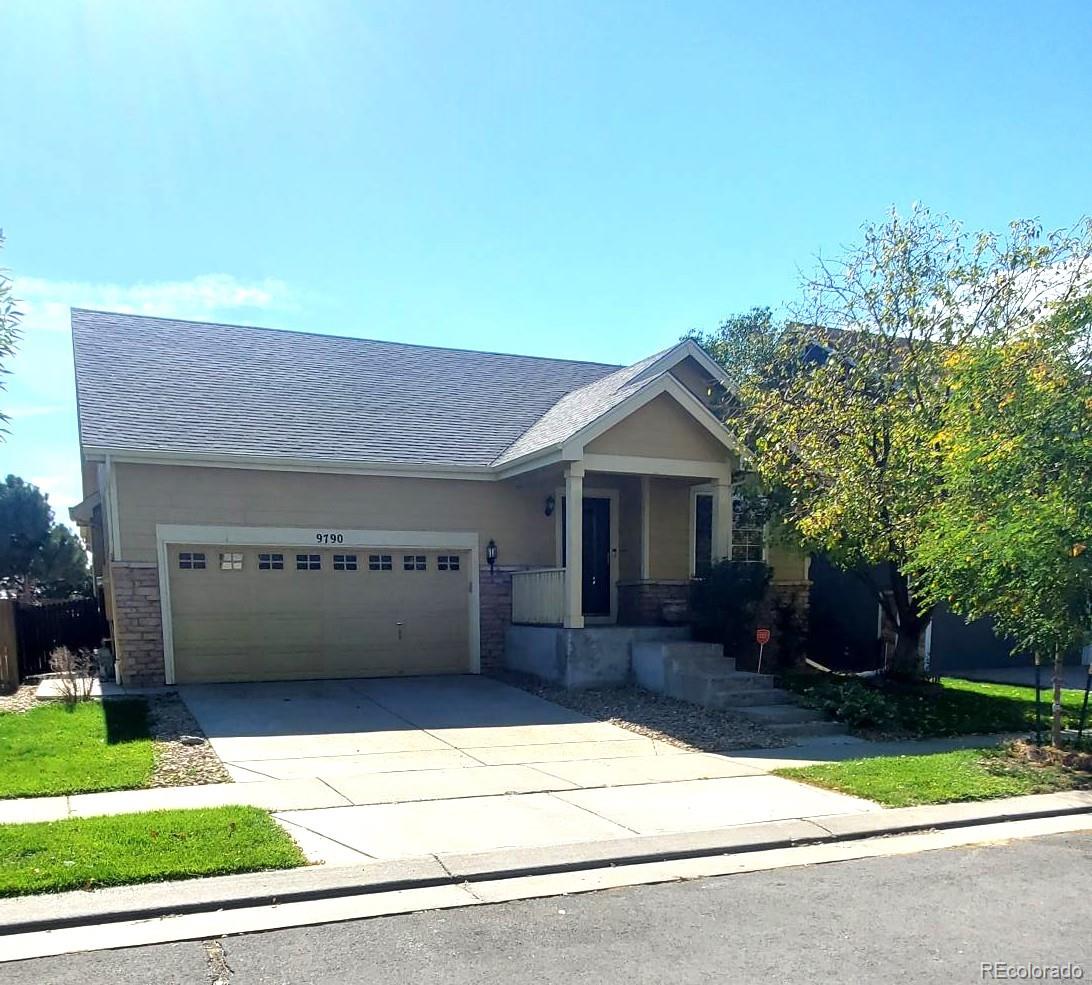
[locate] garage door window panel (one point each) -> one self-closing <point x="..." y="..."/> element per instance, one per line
<point x="380" y="562"/>
<point x="308" y="562"/>
<point x="345" y="562"/>
<point x="270" y="562"/>
<point x="191" y="560"/>
<point x="231" y="561"/>
<point x="447" y="562"/>
<point x="414" y="562"/>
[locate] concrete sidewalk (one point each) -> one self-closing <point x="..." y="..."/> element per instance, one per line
<point x="624" y="858"/>
<point x="358" y="817"/>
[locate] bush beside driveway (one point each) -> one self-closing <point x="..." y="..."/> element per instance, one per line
<point x="928" y="710"/>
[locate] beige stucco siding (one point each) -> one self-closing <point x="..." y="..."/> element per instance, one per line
<point x="660" y="429"/>
<point x="694" y="377"/>
<point x="510" y="514"/>
<point x="788" y="563"/>
<point x="669" y="558"/>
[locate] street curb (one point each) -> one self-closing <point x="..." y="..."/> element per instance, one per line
<point x="489" y="866"/>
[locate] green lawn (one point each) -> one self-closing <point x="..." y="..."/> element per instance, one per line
<point x="62" y="749"/>
<point x="954" y="707"/>
<point x="83" y="853"/>
<point x="966" y="774"/>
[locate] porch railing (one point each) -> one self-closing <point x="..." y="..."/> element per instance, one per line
<point x="538" y="597"/>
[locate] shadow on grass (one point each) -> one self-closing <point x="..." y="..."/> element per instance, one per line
<point x="126" y="720"/>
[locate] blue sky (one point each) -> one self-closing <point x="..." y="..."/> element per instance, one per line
<point x="584" y="179"/>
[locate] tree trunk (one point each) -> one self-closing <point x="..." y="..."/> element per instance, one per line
<point x="910" y="623"/>
<point x="1056" y="711"/>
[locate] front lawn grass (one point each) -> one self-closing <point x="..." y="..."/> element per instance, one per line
<point x="85" y="853"/>
<point x="950" y="707"/>
<point x="939" y="778"/>
<point x="63" y="749"/>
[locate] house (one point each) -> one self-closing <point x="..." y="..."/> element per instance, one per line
<point x="268" y="505"/>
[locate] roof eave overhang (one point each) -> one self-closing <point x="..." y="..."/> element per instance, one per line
<point x="422" y="470"/>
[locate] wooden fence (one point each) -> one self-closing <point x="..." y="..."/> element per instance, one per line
<point x="39" y="629"/>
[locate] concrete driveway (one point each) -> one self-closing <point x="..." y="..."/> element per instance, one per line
<point x="464" y="764"/>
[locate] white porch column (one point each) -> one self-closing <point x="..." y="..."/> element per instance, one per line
<point x="722" y="519"/>
<point x="574" y="545"/>
<point x="646" y="528"/>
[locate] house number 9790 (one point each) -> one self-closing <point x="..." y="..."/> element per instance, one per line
<point x="329" y="538"/>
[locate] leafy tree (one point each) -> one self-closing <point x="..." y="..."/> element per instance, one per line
<point x="60" y="569"/>
<point x="25" y="521"/>
<point x="1010" y="538"/>
<point x="841" y="404"/>
<point x="9" y="331"/>
<point x="38" y="558"/>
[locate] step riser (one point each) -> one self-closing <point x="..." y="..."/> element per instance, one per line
<point x="800" y="730"/>
<point x="746" y="699"/>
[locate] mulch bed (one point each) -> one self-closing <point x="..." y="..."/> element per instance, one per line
<point x="1049" y="756"/>
<point x="675" y="722"/>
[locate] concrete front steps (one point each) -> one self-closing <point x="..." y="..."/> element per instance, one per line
<point x="700" y="674"/>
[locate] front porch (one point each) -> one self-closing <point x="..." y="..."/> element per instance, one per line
<point x="640" y="539"/>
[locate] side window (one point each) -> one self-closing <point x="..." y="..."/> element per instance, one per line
<point x="270" y="562"/>
<point x="447" y="562"/>
<point x="191" y="559"/>
<point x="308" y="562"/>
<point x="748" y="533"/>
<point x="345" y="562"/>
<point x="380" y="562"/>
<point x="414" y="562"/>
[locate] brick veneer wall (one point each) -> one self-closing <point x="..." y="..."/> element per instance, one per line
<point x="784" y="611"/>
<point x="641" y="603"/>
<point x="495" y="601"/>
<point x="138" y="624"/>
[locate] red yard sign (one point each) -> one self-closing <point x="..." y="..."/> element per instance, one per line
<point x="762" y="636"/>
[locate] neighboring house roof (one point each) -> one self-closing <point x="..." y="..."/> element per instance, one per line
<point x="171" y="387"/>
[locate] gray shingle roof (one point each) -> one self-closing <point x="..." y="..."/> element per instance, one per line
<point x="577" y="409"/>
<point x="158" y="384"/>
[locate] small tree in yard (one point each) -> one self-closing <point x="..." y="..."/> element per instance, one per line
<point x="1011" y="537"/>
<point x="841" y="405"/>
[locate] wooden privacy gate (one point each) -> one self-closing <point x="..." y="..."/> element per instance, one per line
<point x="39" y="629"/>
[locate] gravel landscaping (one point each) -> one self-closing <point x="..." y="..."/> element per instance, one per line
<point x="685" y="725"/>
<point x="21" y="699"/>
<point x="178" y="763"/>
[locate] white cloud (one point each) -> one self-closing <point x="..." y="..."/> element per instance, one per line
<point x="45" y="303"/>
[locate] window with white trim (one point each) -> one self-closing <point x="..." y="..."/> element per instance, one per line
<point x="447" y="562"/>
<point x="345" y="562"/>
<point x="414" y="562"/>
<point x="191" y="560"/>
<point x="380" y="562"/>
<point x="270" y="562"/>
<point x="748" y="533"/>
<point x="308" y="562"/>
<point x="231" y="561"/>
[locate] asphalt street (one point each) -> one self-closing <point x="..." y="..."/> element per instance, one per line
<point x="933" y="917"/>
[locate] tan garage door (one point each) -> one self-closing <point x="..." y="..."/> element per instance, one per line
<point x="278" y="613"/>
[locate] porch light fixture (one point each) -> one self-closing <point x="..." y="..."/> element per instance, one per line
<point x="551" y="503"/>
<point x="491" y="554"/>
